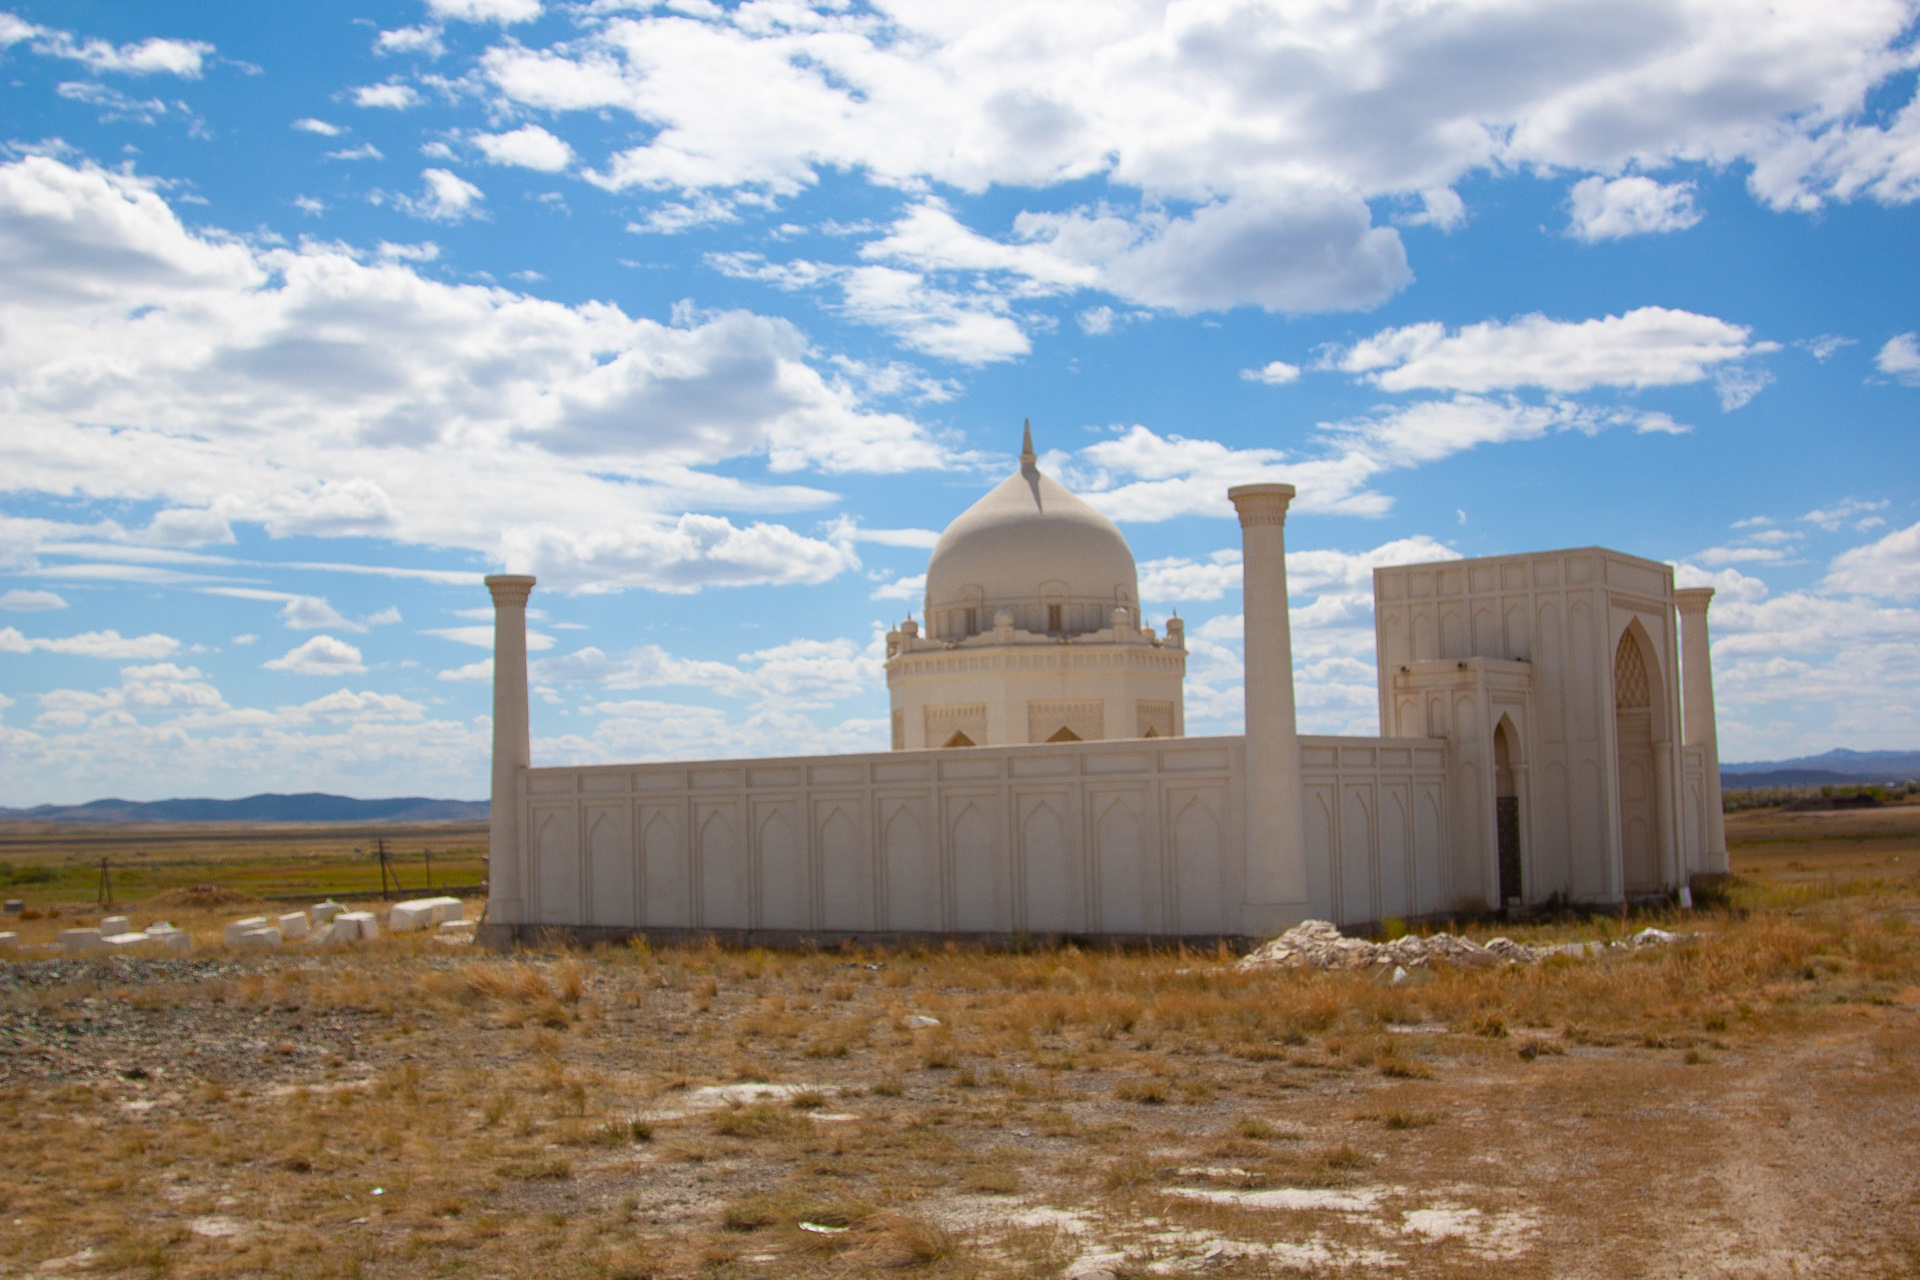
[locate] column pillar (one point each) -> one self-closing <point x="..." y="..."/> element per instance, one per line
<point x="1699" y="724"/>
<point x="1275" y="874"/>
<point x="512" y="748"/>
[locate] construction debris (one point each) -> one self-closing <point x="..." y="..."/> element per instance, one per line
<point x="1316" y="944"/>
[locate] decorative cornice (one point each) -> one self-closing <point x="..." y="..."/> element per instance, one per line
<point x="510" y="588"/>
<point x="1261" y="504"/>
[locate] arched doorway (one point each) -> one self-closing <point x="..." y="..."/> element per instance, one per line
<point x="1633" y="685"/>
<point x="1507" y="811"/>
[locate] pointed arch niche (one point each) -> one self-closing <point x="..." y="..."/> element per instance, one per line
<point x="1639" y="742"/>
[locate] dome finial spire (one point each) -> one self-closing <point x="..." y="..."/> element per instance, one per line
<point x="1028" y="461"/>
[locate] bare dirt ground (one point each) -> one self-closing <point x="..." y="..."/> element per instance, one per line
<point x="1747" y="1105"/>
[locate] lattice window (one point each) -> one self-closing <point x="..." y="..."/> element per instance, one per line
<point x="1630" y="685"/>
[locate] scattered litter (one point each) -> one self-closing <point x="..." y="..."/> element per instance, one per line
<point x="1316" y="944"/>
<point x="216" y="1228"/>
<point x="821" y="1228"/>
<point x="379" y="1191"/>
<point x="922" y="1020"/>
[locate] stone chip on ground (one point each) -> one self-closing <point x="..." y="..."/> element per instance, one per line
<point x="1317" y="944"/>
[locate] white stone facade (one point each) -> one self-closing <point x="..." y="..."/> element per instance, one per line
<point x="1537" y="748"/>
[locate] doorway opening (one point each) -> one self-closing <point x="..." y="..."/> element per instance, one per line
<point x="1507" y="813"/>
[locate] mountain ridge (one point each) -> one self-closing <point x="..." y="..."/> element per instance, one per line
<point x="267" y="807"/>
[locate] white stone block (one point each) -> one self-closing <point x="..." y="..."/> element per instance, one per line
<point x="240" y="928"/>
<point x="171" y="939"/>
<point x="77" y="941"/>
<point x="128" y="941"/>
<point x="110" y="925"/>
<point x="324" y="912"/>
<point x="267" y="939"/>
<point x="457" y="926"/>
<point x="8" y="941"/>
<point x="349" y="925"/>
<point x="409" y="916"/>
<point x="292" y="925"/>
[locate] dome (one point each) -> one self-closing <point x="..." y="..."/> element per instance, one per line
<point x="1027" y="545"/>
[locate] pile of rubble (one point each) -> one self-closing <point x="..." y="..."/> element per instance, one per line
<point x="1316" y="944"/>
<point x="325" y="922"/>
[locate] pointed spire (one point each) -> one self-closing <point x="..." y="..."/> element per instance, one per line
<point x="1028" y="462"/>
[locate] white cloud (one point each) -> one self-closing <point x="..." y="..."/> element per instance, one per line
<point x="1275" y="373"/>
<point x="110" y="645"/>
<point x="18" y="601"/>
<point x="391" y="96"/>
<point x="1646" y="347"/>
<point x="1738" y="384"/>
<point x="1888" y="568"/>
<point x="423" y="39"/>
<point x="185" y="527"/>
<point x="314" y="392"/>
<point x="321" y="127"/>
<point x="1855" y="511"/>
<point x="448" y="197"/>
<point x="1900" y="358"/>
<point x="365" y="151"/>
<point x="1440" y="207"/>
<point x="912" y="588"/>
<point x="1632" y="206"/>
<point x="153" y="56"/>
<point x="529" y="147"/>
<point x="1729" y="585"/>
<point x="1239" y="144"/>
<point x="504" y="12"/>
<point x="1096" y="320"/>
<point x="319" y="656"/>
<point x="924" y="539"/>
<point x="1823" y="347"/>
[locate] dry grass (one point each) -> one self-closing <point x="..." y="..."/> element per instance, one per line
<point x="398" y="1110"/>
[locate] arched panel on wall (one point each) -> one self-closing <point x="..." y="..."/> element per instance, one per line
<point x="1396" y="854"/>
<point x="1486" y="634"/>
<point x="979" y="871"/>
<point x="1056" y="889"/>
<point x="1430" y="849"/>
<point x="1424" y="647"/>
<point x="1582" y="694"/>
<point x="1552" y="857"/>
<point x="1635" y="682"/>
<point x="1519" y="634"/>
<point x="846" y="872"/>
<point x="1548" y="677"/>
<point x="726" y="884"/>
<point x="669" y="885"/>
<point x="1356" y="858"/>
<point x="1695" y="815"/>
<point x="1591" y="880"/>
<point x="610" y="866"/>
<point x="1129" y="880"/>
<point x="785" y="901"/>
<point x="1393" y="630"/>
<point x="1323" y="848"/>
<point x="913" y="872"/>
<point x="1199" y="865"/>
<point x="556" y="868"/>
<point x="1453" y="633"/>
<point x="1467" y="876"/>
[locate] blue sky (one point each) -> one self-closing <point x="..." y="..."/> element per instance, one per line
<point x="713" y="315"/>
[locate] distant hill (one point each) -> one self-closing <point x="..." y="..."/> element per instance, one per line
<point x="311" y="806"/>
<point x="1839" y="767"/>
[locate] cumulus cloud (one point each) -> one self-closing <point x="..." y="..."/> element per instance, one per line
<point x="1858" y="512"/>
<point x="1634" y="206"/>
<point x="317" y="392"/>
<point x="504" y="12"/>
<point x="424" y="39"/>
<point x="447" y="197"/>
<point x="1900" y="359"/>
<point x="322" y="655"/>
<point x="152" y="56"/>
<point x="321" y="127"/>
<point x="1275" y="373"/>
<point x="528" y="147"/>
<point x="1238" y="145"/>
<point x="391" y="96"/>
<point x="1888" y="568"/>
<point x="1645" y="347"/>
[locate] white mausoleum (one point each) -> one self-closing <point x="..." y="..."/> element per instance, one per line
<point x="1548" y="735"/>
